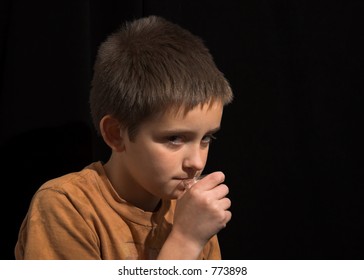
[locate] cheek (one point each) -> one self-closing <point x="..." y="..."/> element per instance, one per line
<point x="156" y="160"/>
<point x="154" y="170"/>
<point x="163" y="161"/>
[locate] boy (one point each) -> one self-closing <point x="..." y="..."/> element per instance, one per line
<point x="157" y="99"/>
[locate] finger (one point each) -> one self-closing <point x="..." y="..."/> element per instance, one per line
<point x="210" y="181"/>
<point x="225" y="203"/>
<point x="219" y="191"/>
<point x="225" y="218"/>
<point x="228" y="216"/>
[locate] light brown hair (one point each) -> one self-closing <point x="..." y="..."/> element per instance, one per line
<point x="151" y="65"/>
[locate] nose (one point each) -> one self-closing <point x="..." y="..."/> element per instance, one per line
<point x="195" y="158"/>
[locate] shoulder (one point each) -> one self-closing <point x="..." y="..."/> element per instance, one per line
<point x="82" y="185"/>
<point x="74" y="180"/>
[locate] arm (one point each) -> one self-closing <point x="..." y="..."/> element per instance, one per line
<point x="200" y="214"/>
<point x="54" y="229"/>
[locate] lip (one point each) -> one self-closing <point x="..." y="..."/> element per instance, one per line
<point x="189" y="182"/>
<point x="183" y="179"/>
<point x="197" y="176"/>
<point x="184" y="183"/>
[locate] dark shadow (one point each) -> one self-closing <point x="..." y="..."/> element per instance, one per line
<point x="31" y="158"/>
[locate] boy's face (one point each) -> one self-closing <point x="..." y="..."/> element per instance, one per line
<point x="168" y="149"/>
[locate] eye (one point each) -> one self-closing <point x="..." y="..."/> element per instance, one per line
<point x="175" y="140"/>
<point x="207" y="139"/>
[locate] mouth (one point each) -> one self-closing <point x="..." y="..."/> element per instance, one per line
<point x="186" y="183"/>
<point x="189" y="182"/>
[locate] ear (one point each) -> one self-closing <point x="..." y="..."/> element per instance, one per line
<point x="112" y="133"/>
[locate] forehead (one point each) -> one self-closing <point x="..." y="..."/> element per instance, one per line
<point x="203" y="116"/>
<point x="182" y="112"/>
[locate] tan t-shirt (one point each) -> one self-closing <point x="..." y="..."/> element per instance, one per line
<point x="80" y="216"/>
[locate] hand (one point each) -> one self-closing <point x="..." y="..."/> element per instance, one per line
<point x="203" y="210"/>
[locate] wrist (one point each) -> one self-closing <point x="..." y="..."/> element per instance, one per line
<point x="180" y="247"/>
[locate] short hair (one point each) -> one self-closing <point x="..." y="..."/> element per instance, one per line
<point x="148" y="66"/>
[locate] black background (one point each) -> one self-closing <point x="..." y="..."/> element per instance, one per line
<point x="291" y="142"/>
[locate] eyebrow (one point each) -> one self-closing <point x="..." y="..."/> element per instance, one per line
<point x="214" y="130"/>
<point x="179" y="131"/>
